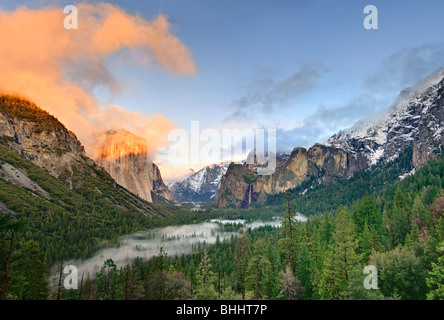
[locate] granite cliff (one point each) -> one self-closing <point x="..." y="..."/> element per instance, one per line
<point x="415" y="120"/>
<point x="125" y="157"/>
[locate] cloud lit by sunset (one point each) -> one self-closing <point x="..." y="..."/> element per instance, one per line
<point x="59" y="69"/>
<point x="152" y="66"/>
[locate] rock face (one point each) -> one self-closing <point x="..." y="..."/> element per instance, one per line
<point x="416" y="120"/>
<point x="429" y="139"/>
<point x="40" y="138"/>
<point x="201" y="186"/>
<point x="241" y="186"/>
<point x="125" y="157"/>
<point x="159" y="188"/>
<point x="42" y="141"/>
<point x="234" y="185"/>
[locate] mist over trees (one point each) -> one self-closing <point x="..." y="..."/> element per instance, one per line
<point x="399" y="229"/>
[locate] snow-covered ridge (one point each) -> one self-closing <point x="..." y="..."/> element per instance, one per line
<point x="202" y="185"/>
<point x="211" y="174"/>
<point x="382" y="136"/>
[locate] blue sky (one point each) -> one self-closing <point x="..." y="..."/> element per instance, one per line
<point x="307" y="68"/>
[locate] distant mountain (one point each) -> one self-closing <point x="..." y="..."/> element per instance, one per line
<point x="416" y="120"/>
<point x="202" y="186"/>
<point x="125" y="157"/>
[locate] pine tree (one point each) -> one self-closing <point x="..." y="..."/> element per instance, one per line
<point x="108" y="281"/>
<point x="8" y="230"/>
<point x="318" y="254"/>
<point x="303" y="267"/>
<point x="435" y="281"/>
<point x="205" y="280"/>
<point x="288" y="242"/>
<point x="242" y="255"/>
<point x="273" y="256"/>
<point x="422" y="217"/>
<point x="341" y="259"/>
<point x="29" y="274"/>
<point x="367" y="212"/>
<point x="400" y="218"/>
<point x="258" y="271"/>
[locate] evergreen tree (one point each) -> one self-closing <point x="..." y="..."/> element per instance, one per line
<point x="29" y="274"/>
<point x="367" y="243"/>
<point x="400" y="225"/>
<point x="303" y="267"/>
<point x="242" y="255"/>
<point x="205" y="280"/>
<point x="400" y="272"/>
<point x="318" y="254"/>
<point x="229" y="294"/>
<point x="288" y="242"/>
<point x="108" y="282"/>
<point x="435" y="281"/>
<point x="421" y="215"/>
<point x="258" y="271"/>
<point x="8" y="230"/>
<point x="368" y="213"/>
<point x="341" y="258"/>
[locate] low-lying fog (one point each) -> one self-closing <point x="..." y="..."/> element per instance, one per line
<point x="175" y="240"/>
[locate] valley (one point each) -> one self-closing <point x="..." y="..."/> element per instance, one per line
<point x="371" y="194"/>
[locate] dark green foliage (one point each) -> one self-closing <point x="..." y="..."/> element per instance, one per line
<point x="28" y="274"/>
<point x="400" y="272"/>
<point x="341" y="258"/>
<point x="324" y="198"/>
<point x="108" y="282"/>
<point x="73" y="219"/>
<point x="435" y="281"/>
<point x="396" y="225"/>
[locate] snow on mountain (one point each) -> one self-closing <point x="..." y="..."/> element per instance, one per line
<point x="385" y="135"/>
<point x="202" y="185"/>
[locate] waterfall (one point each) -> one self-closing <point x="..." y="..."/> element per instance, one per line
<point x="249" y="197"/>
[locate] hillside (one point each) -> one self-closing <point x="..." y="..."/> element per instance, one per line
<point x="70" y="204"/>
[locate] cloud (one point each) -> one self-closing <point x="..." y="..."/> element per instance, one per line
<point x="58" y="69"/>
<point x="406" y="67"/>
<point x="267" y="95"/>
<point x="335" y="118"/>
<point x="113" y="117"/>
<point x="393" y="83"/>
<point x="324" y="122"/>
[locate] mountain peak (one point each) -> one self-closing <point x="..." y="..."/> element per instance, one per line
<point x="385" y="135"/>
<point x="413" y="127"/>
<point x="119" y="143"/>
<point x="38" y="136"/>
<point x="125" y="156"/>
<point x="202" y="185"/>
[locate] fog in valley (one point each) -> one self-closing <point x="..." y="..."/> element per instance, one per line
<point x="175" y="240"/>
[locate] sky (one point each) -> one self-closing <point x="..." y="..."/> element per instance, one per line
<point x="305" y="68"/>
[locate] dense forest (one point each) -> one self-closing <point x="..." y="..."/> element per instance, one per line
<point x="69" y="222"/>
<point x="397" y="227"/>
